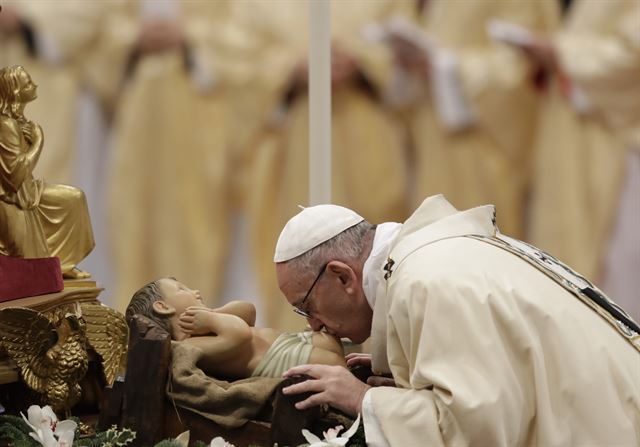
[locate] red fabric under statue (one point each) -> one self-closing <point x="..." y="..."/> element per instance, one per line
<point x="21" y="277"/>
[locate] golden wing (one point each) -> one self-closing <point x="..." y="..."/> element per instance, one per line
<point x="27" y="335"/>
<point x="107" y="333"/>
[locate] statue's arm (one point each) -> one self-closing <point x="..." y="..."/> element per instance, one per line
<point x="228" y="333"/>
<point x="16" y="163"/>
<point x="242" y="309"/>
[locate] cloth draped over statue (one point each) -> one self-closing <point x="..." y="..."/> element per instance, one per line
<point x="230" y="404"/>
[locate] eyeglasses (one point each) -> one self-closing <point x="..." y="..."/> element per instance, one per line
<point x="299" y="308"/>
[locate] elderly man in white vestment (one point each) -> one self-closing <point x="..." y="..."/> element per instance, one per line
<point x="489" y="341"/>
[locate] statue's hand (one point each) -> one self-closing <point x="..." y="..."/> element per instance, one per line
<point x="27" y="131"/>
<point x="31" y="132"/>
<point x="195" y="321"/>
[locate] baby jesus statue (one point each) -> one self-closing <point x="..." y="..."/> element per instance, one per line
<point x="232" y="347"/>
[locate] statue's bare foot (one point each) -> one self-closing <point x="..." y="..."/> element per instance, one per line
<point x="76" y="273"/>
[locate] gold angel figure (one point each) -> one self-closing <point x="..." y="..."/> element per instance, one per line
<point x="52" y="358"/>
<point x="36" y="219"/>
<point x="108" y="334"/>
<point x="52" y="354"/>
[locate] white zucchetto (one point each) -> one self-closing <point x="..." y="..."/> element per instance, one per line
<point x="311" y="227"/>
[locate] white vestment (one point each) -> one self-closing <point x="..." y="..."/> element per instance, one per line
<point x="487" y="350"/>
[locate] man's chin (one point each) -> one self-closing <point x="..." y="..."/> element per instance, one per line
<point x="358" y="339"/>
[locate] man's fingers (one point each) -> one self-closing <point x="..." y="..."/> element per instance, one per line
<point x="356" y="354"/>
<point x="308" y="386"/>
<point x="312" y="401"/>
<point x="380" y="381"/>
<point x="359" y="359"/>
<point x="310" y="370"/>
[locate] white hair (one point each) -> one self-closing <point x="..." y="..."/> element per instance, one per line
<point x="347" y="246"/>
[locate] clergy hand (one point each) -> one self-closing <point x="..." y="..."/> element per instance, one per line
<point x="9" y="20"/>
<point x="299" y="77"/>
<point x="359" y="358"/>
<point x="332" y="385"/>
<point x="409" y="56"/>
<point x="160" y="35"/>
<point x="343" y="66"/>
<point x="195" y="321"/>
<point x="542" y="53"/>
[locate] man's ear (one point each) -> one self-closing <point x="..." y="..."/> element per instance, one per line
<point x="344" y="273"/>
<point x="162" y="308"/>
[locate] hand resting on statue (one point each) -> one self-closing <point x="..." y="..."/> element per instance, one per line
<point x="362" y="359"/>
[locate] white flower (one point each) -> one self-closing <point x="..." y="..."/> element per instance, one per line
<point x="219" y="441"/>
<point x="47" y="430"/>
<point x="183" y="438"/>
<point x="65" y="431"/>
<point x="331" y="438"/>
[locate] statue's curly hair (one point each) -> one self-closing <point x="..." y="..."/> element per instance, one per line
<point x="10" y="92"/>
<point x="142" y="303"/>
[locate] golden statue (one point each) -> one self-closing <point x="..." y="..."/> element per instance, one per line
<point x="36" y="219"/>
<point x="51" y="349"/>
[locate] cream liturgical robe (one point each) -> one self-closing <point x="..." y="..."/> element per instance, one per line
<point x="42" y="49"/>
<point x="168" y="173"/>
<point x="368" y="159"/>
<point x="488" y="350"/>
<point x="577" y="175"/>
<point x="579" y="159"/>
<point x="600" y="52"/>
<point x="481" y="153"/>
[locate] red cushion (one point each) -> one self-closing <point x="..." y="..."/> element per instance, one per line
<point x="21" y="277"/>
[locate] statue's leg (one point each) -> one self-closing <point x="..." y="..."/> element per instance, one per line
<point x="65" y="220"/>
<point x="21" y="233"/>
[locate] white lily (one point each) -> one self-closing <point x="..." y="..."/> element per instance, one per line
<point x="331" y="438"/>
<point x="183" y="438"/>
<point x="47" y="430"/>
<point x="219" y="441"/>
<point x="65" y="432"/>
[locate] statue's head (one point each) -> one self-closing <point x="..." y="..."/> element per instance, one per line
<point x="163" y="301"/>
<point x="16" y="89"/>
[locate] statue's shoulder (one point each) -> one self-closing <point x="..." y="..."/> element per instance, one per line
<point x="6" y="120"/>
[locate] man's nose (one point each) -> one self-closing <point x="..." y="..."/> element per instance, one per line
<point x="315" y="324"/>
